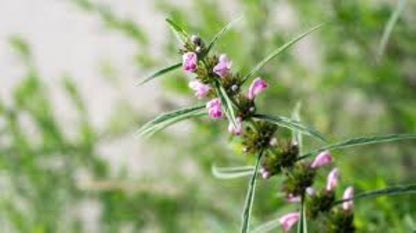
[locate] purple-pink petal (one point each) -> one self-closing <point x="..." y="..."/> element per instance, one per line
<point x="190" y="62"/>
<point x="201" y="90"/>
<point x="287" y="221"/>
<point x="256" y="87"/>
<point x="332" y="180"/>
<point x="236" y="129"/>
<point x="348" y="194"/>
<point x="214" y="108"/>
<point x="223" y="66"/>
<point x="322" y="159"/>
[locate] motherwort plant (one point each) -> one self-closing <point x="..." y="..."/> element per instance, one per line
<point x="228" y="95"/>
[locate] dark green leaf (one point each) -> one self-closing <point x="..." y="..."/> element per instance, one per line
<point x="390" y="191"/>
<point x="276" y="52"/>
<point x="290" y="124"/>
<point x="170" y="118"/>
<point x="160" y="73"/>
<point x="360" y="141"/>
<point x="248" y="205"/>
<point x="180" y="33"/>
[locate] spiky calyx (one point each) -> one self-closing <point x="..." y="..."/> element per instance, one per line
<point x="300" y="177"/>
<point x="321" y="202"/>
<point x="258" y="139"/>
<point x="280" y="157"/>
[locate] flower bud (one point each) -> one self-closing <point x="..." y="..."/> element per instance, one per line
<point x="236" y="129"/>
<point x="348" y="194"/>
<point x="310" y="191"/>
<point x="273" y="142"/>
<point x="332" y="181"/>
<point x="190" y="62"/>
<point x="201" y="90"/>
<point x="287" y="221"/>
<point x="324" y="158"/>
<point x="214" y="108"/>
<point x="264" y="173"/>
<point x="256" y="87"/>
<point x="293" y="199"/>
<point x="223" y="66"/>
<point x="196" y="40"/>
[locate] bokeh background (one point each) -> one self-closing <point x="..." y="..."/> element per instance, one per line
<point x="69" y="107"/>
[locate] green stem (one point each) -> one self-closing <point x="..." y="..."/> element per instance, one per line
<point x="248" y="205"/>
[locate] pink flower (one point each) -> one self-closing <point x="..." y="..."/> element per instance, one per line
<point x="190" y="62"/>
<point x="287" y="221"/>
<point x="238" y="129"/>
<point x="323" y="158"/>
<point x="214" y="108"/>
<point x="293" y="199"/>
<point x="201" y="90"/>
<point x="223" y="66"/>
<point x="257" y="87"/>
<point x="332" y="181"/>
<point x="348" y="194"/>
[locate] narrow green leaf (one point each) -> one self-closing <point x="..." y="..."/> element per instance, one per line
<point x="296" y="134"/>
<point x="227" y="104"/>
<point x="168" y="123"/>
<point x="302" y="224"/>
<point x="160" y="73"/>
<point x="267" y="226"/>
<point x="290" y="124"/>
<point x="180" y="33"/>
<point x="232" y="172"/>
<point x="361" y="141"/>
<point x="221" y="33"/>
<point x="169" y="118"/>
<point x="248" y="205"/>
<point x="276" y="52"/>
<point x="389" y="28"/>
<point x="390" y="191"/>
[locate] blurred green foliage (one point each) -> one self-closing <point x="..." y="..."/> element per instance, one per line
<point x="344" y="89"/>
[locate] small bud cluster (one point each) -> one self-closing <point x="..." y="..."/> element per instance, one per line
<point x="213" y="76"/>
<point x="319" y="204"/>
<point x="213" y="72"/>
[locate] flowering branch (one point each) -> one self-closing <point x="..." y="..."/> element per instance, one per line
<point x="214" y="81"/>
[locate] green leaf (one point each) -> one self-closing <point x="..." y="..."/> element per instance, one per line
<point x="390" y="191"/>
<point x="361" y="141"/>
<point x="180" y="33"/>
<point x="221" y="33"/>
<point x="276" y="52"/>
<point x="248" y="205"/>
<point x="291" y="124"/>
<point x="160" y="73"/>
<point x="296" y="134"/>
<point x="227" y="104"/>
<point x="232" y="172"/>
<point x="302" y="224"/>
<point x="267" y="226"/>
<point x="170" y="118"/>
<point x="389" y="28"/>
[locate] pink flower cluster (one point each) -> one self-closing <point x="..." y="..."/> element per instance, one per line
<point x="222" y="69"/>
